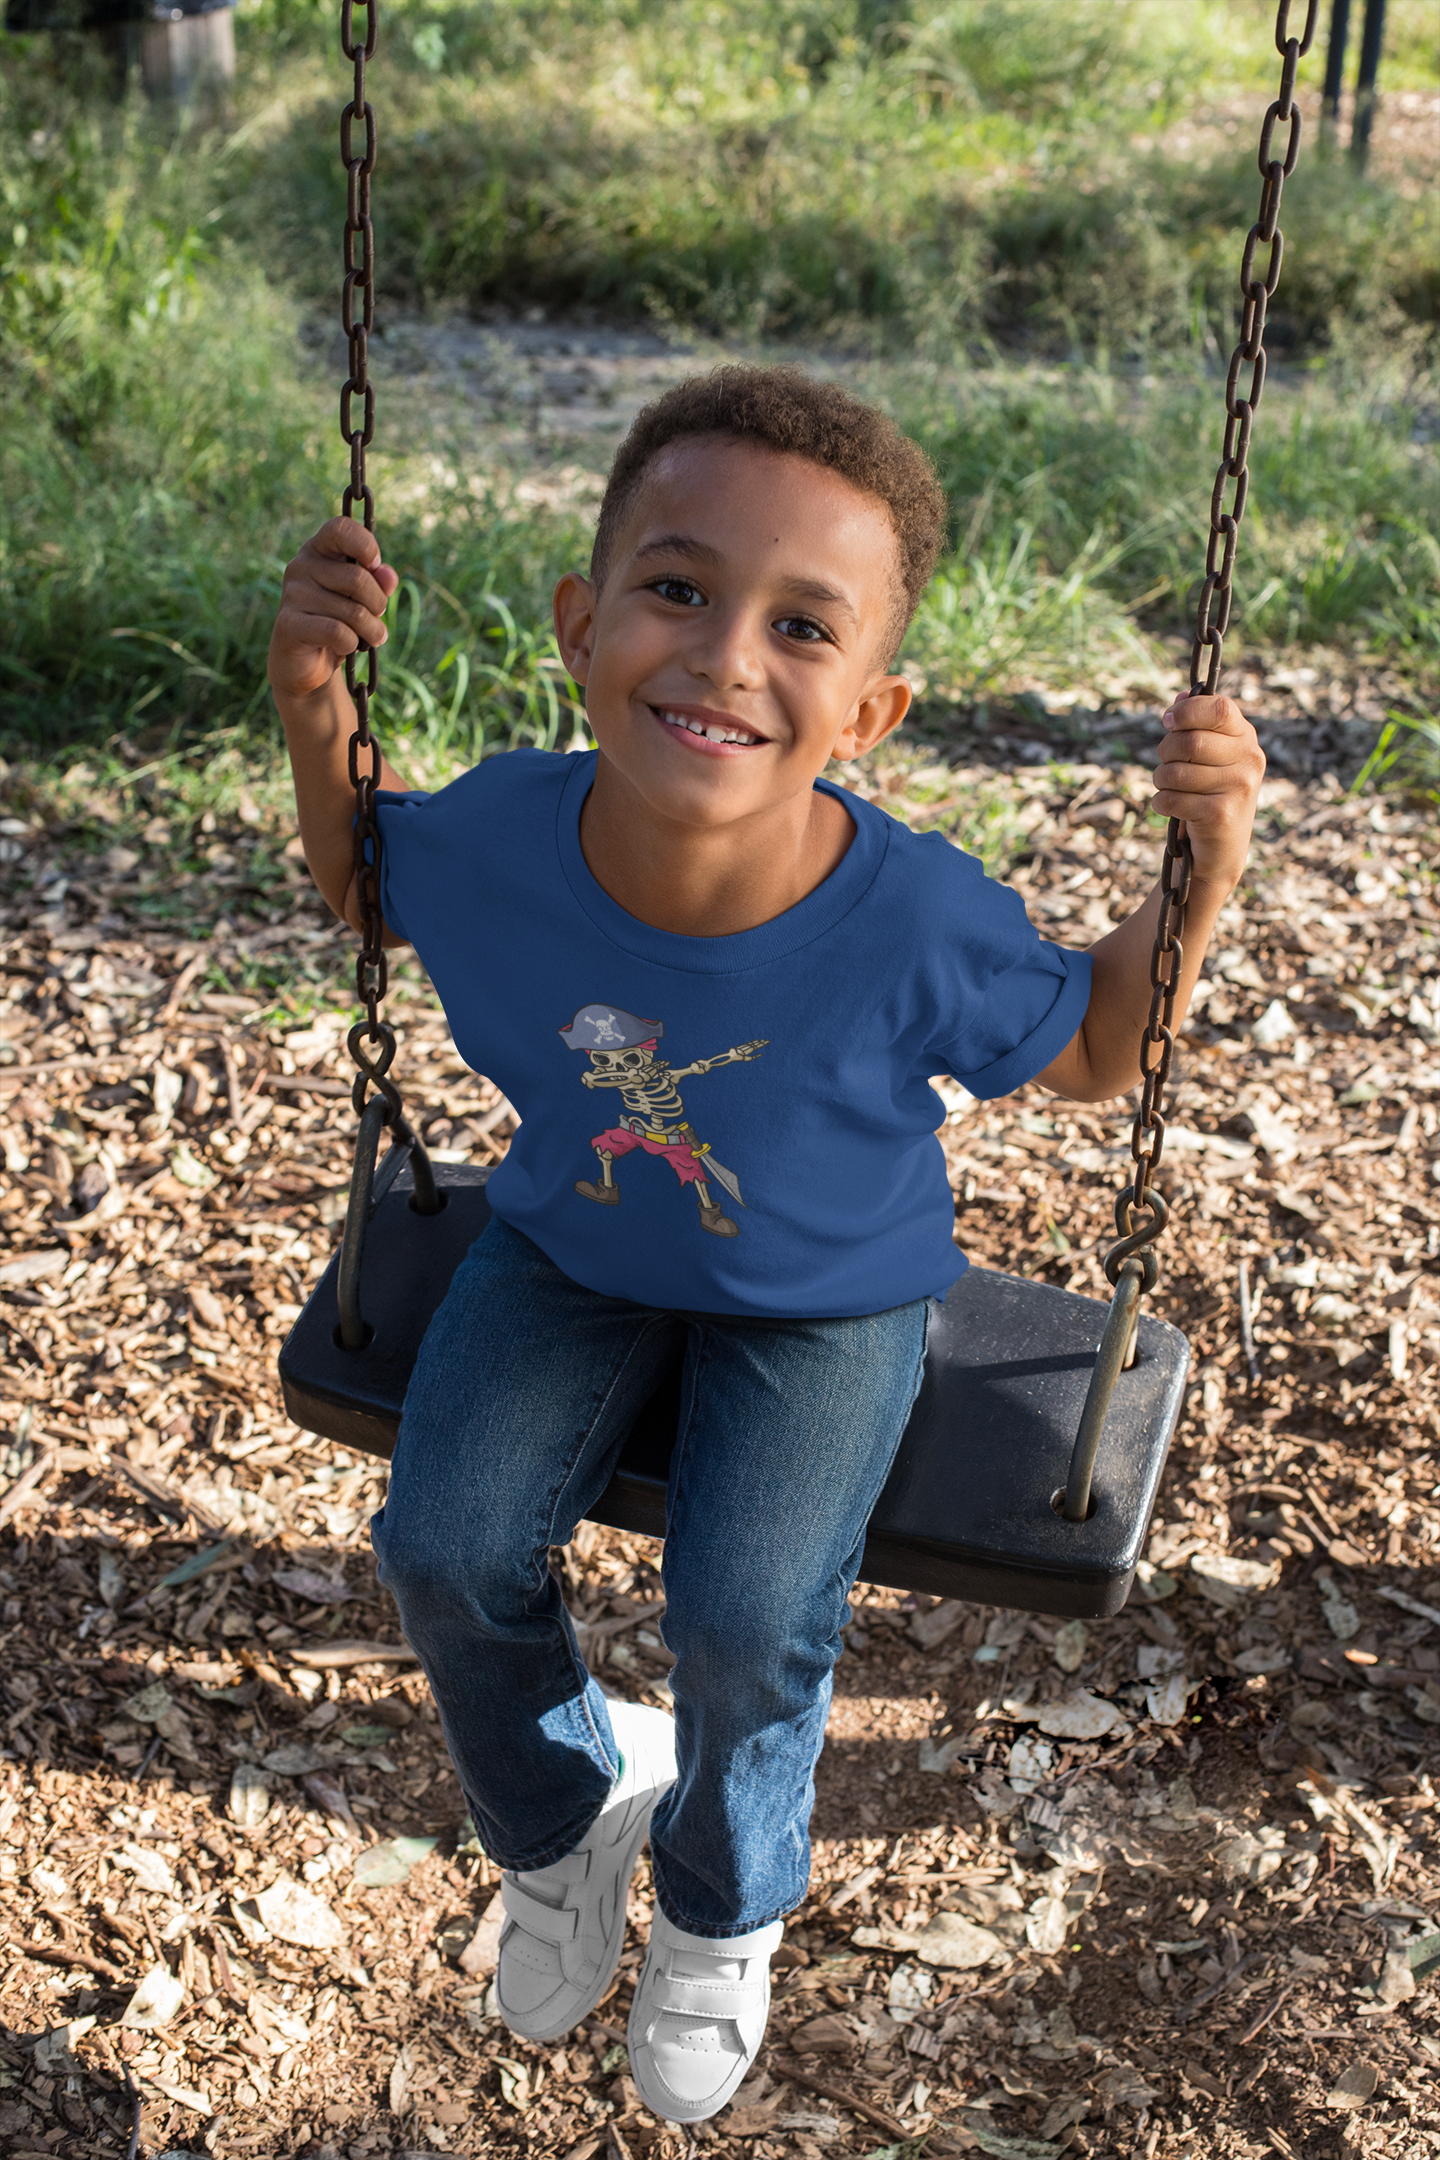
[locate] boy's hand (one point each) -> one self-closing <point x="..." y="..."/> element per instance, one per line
<point x="1209" y="774"/>
<point x="332" y="601"/>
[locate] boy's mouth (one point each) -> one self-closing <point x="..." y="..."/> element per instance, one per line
<point x="708" y="727"/>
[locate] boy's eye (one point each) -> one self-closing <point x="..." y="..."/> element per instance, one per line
<point x="679" y="591"/>
<point x="804" y="628"/>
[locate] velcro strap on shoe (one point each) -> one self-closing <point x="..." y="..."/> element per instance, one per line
<point x="701" y="1998"/>
<point x="542" y="1921"/>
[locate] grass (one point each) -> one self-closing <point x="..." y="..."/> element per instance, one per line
<point x="1079" y="509"/>
<point x="1406" y="755"/>
<point x="982" y="206"/>
<point x="896" y="172"/>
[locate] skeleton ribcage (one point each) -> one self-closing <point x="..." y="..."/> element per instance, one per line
<point x="656" y="1105"/>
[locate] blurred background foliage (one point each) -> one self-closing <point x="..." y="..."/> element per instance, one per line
<point x="1019" y="220"/>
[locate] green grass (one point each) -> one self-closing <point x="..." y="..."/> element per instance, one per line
<point x="891" y="172"/>
<point x="1406" y="756"/>
<point x="1079" y="503"/>
<point x="979" y="203"/>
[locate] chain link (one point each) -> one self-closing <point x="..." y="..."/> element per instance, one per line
<point x="372" y="1040"/>
<point x="1212" y="619"/>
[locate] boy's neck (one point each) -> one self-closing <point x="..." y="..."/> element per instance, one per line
<point x="708" y="881"/>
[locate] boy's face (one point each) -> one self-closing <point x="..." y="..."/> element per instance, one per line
<point x="749" y="596"/>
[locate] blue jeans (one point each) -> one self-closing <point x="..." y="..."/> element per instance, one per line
<point x="524" y="1391"/>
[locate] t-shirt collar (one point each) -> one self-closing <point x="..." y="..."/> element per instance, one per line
<point x="800" y="925"/>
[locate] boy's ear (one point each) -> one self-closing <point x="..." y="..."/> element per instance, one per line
<point x="877" y="715"/>
<point x="574" y="609"/>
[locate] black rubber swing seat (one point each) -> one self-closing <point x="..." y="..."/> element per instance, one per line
<point x="969" y="1508"/>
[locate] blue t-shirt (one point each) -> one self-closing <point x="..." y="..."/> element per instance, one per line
<point x="727" y="1124"/>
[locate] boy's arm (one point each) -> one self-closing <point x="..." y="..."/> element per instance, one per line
<point x="1210" y="770"/>
<point x="333" y="598"/>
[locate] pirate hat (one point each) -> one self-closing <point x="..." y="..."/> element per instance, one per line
<point x="606" y="1027"/>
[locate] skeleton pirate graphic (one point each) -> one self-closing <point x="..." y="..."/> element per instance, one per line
<point x="622" y="1055"/>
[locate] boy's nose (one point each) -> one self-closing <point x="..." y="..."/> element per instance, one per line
<point x="728" y="653"/>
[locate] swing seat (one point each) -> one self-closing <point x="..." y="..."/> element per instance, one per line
<point x="969" y="1508"/>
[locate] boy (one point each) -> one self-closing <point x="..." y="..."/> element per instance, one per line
<point x="693" y="907"/>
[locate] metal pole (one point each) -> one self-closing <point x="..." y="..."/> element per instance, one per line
<point x="1371" y="41"/>
<point x="1110" y="1358"/>
<point x="1335" y="66"/>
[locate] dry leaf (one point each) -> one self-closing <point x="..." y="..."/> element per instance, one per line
<point x="297" y="1758"/>
<point x="329" y="1796"/>
<point x="327" y="1656"/>
<point x="185" y="2096"/>
<point x="149" y="1706"/>
<point x="297" y="1915"/>
<point x="1252" y="1859"/>
<point x="930" y="1628"/>
<point x="1354" y="2087"/>
<point x="936" y="1757"/>
<point x="54" y="2052"/>
<point x="946" y="1940"/>
<point x="1230" y="1581"/>
<point x="1048" y="1925"/>
<point x="110" y="1579"/>
<point x="249" y="1795"/>
<point x="482" y="1953"/>
<point x="391" y="1862"/>
<point x="1081" y="1717"/>
<point x="823" y="2035"/>
<point x="156" y="2001"/>
<point x="1166" y="1699"/>
<point x="1031" y="1761"/>
<point x="152" y="1871"/>
<point x="514" y="2082"/>
<point x="309" y="1583"/>
<point x="400" y="2080"/>
<point x="1341" y="1617"/>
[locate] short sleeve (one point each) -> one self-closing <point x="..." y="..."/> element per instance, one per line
<point x="1019" y="999"/>
<point x="1051" y="999"/>
<point x="396" y="815"/>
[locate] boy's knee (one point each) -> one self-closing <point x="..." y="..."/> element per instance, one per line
<point x="772" y="1628"/>
<point x="424" y="1560"/>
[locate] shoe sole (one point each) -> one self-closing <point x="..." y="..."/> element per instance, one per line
<point x="614" y="1944"/>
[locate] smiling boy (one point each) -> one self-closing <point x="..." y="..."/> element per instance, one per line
<point x="762" y="545"/>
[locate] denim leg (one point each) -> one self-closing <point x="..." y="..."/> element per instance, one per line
<point x="523" y="1393"/>
<point x="788" y="1430"/>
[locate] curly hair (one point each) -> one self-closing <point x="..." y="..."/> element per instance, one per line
<point x="788" y="411"/>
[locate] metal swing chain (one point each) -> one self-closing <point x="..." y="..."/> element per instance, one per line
<point x="357" y="316"/>
<point x="371" y="1042"/>
<point x="1131" y="1265"/>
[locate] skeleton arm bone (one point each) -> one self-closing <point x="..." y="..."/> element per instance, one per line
<point x="744" y="1051"/>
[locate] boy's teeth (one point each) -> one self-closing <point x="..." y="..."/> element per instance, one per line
<point x="708" y="729"/>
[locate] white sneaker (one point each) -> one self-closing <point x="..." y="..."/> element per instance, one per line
<point x="565" y="1924"/>
<point x="699" y="2017"/>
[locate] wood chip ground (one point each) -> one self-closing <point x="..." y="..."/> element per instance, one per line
<point x="1209" y="1920"/>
